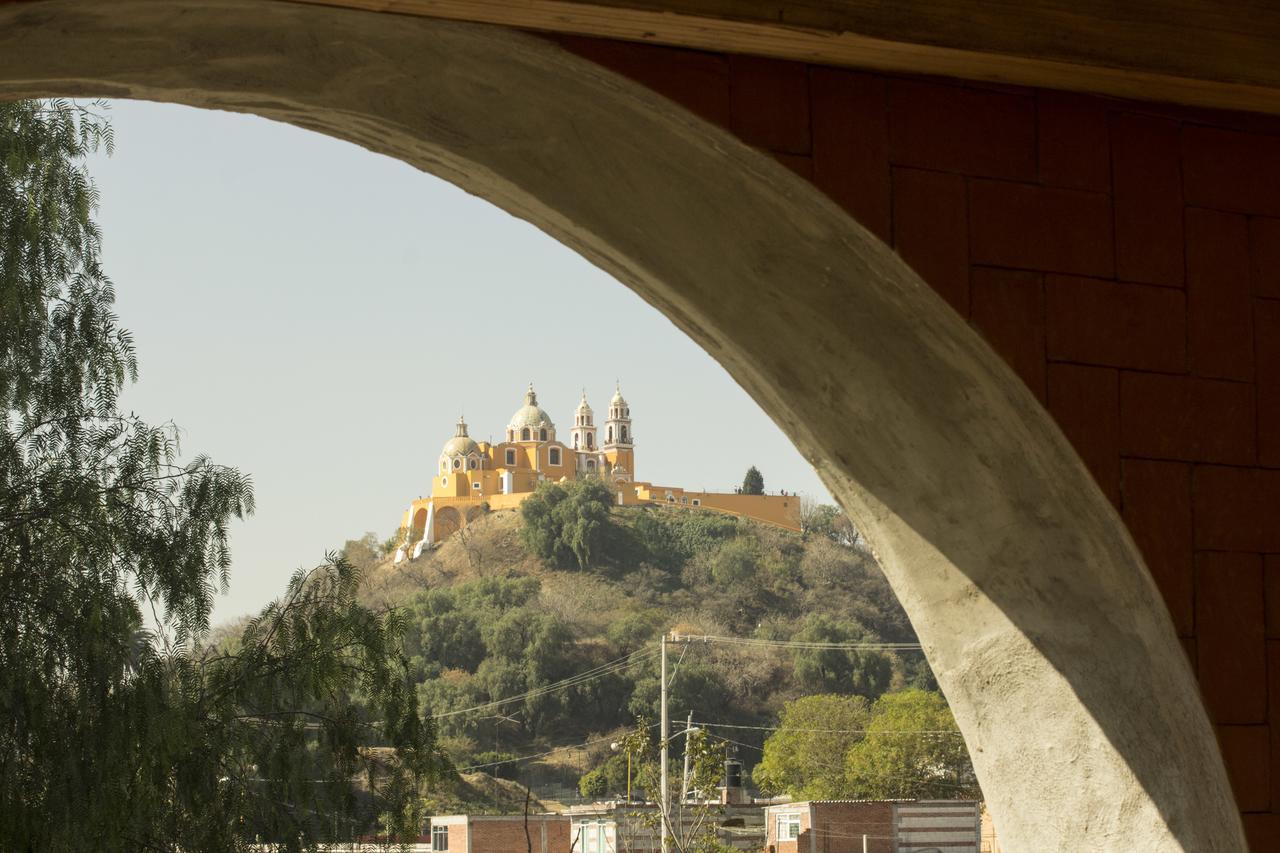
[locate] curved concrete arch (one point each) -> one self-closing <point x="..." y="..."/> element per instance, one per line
<point x="1043" y="626"/>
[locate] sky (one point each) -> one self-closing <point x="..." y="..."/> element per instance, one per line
<point x="319" y="316"/>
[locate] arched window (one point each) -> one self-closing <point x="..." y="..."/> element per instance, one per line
<point x="542" y="435"/>
<point x="444" y="481"/>
<point x="524" y="434"/>
<point x="575" y="442"/>
<point x="624" y="433"/>
<point x="591" y="464"/>
<point x="609" y="435"/>
<point x="588" y="441"/>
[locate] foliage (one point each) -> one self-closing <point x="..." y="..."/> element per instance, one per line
<point x="753" y="482"/>
<point x="866" y="673"/>
<point x="913" y="748"/>
<point x="116" y="727"/>
<point x="567" y="524"/>
<point x="803" y="758"/>
<point x="689" y="821"/>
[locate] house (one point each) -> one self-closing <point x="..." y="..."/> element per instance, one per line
<point x="619" y="827"/>
<point x="873" y="826"/>
<point x="541" y="833"/>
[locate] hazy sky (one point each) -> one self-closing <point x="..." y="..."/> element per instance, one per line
<point x="318" y="316"/>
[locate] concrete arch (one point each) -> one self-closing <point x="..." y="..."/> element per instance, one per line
<point x="419" y="525"/>
<point x="1043" y="626"/>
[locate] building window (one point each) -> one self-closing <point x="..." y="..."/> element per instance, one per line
<point x="542" y="435"/>
<point x="589" y="441"/>
<point x="591" y="464"/>
<point x="697" y="502"/>
<point x="457" y="463"/>
<point x="524" y="434"/>
<point x="553" y="456"/>
<point x="624" y="434"/>
<point x="511" y="458"/>
<point x="788" y="827"/>
<point x="444" y="481"/>
<point x="609" y="435"/>
<point x="471" y="464"/>
<point x="475" y="485"/>
<point x="439" y="837"/>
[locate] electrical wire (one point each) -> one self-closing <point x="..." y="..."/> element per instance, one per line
<point x="797" y="644"/>
<point x="622" y="663"/>
<point x="834" y="731"/>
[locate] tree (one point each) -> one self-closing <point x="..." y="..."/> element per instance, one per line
<point x="753" y="482"/>
<point x="115" y="724"/>
<point x="913" y="748"/>
<point x="835" y="670"/>
<point x="689" y="821"/>
<point x="804" y="757"/>
<point x="568" y="524"/>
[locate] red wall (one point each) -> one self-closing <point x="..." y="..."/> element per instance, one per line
<point x="1125" y="259"/>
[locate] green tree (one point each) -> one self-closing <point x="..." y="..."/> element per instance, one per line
<point x="115" y="725"/>
<point x="568" y="524"/>
<point x="835" y="670"/>
<point x="804" y="758"/>
<point x="913" y="748"/>
<point x="753" y="482"/>
<point x="690" y="822"/>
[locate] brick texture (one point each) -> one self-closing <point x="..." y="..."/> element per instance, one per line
<point x="1124" y="259"/>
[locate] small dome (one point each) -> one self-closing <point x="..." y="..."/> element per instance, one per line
<point x="617" y="398"/>
<point x="461" y="444"/>
<point x="530" y="414"/>
<point x="583" y="408"/>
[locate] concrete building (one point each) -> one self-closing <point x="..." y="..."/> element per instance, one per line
<point x="544" y="833"/>
<point x="472" y="473"/>
<point x="874" y="826"/>
<point x="619" y="827"/>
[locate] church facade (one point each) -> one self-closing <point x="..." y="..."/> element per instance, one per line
<point x="471" y="474"/>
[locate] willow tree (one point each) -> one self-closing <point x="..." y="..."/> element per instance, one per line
<point x="118" y="730"/>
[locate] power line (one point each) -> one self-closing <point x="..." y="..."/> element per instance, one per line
<point x="834" y="731"/>
<point x="622" y="663"/>
<point x="551" y="751"/>
<point x="798" y="644"/>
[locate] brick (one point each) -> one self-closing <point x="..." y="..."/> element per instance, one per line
<point x="1246" y="750"/>
<point x="1085" y="402"/>
<point x="1116" y="324"/>
<point x="851" y="144"/>
<point x="1157" y="511"/>
<point x="1262" y="831"/>
<point x="1229" y="170"/>
<point x="1271" y="569"/>
<point x="1231" y="637"/>
<point x="1040" y="228"/>
<point x="1073" y="141"/>
<point x="696" y="80"/>
<point x="1236" y="509"/>
<point x="769" y="103"/>
<point x="931" y="231"/>
<point x="1266" y="330"/>
<point x="1219" y="324"/>
<point x="956" y="129"/>
<point x="1264" y="254"/>
<point x="1147" y="176"/>
<point x="1007" y="306"/>
<point x="1182" y="417"/>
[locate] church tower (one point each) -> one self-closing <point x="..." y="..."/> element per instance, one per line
<point x="583" y="434"/>
<point x="618" y="440"/>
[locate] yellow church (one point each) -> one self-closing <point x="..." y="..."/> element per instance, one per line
<point x="471" y="474"/>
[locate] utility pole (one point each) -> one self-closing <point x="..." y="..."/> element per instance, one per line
<point x="664" y="807"/>
<point x="684" y="779"/>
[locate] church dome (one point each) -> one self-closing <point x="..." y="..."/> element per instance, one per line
<point x="583" y="407"/>
<point x="530" y="414"/>
<point x="461" y="444"/>
<point x="617" y="398"/>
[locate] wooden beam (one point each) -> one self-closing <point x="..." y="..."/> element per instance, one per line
<point x="1198" y="52"/>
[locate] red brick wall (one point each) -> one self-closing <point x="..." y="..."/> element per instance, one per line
<point x="507" y="834"/>
<point x="1125" y="259"/>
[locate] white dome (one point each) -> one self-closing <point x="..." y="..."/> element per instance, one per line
<point x="531" y="414"/>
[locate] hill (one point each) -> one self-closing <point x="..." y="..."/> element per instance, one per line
<point x="521" y="648"/>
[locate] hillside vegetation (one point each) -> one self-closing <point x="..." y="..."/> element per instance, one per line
<point x="570" y="586"/>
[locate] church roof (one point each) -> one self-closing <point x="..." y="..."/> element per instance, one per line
<point x="531" y="414"/>
<point x="461" y="444"/>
